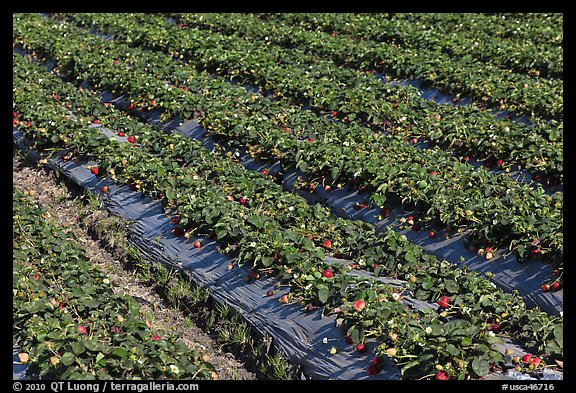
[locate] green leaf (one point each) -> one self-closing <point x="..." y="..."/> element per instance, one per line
<point x="451" y="286"/>
<point x="409" y="256"/>
<point x="480" y="367"/>
<point x="437" y="330"/>
<point x="257" y="220"/>
<point x="68" y="358"/>
<point x="120" y="352"/>
<point x="323" y="295"/>
<point x="452" y="350"/>
<point x="77" y="347"/>
<point x="559" y="332"/>
<point x="354" y="333"/>
<point x="41" y="335"/>
<point x="334" y="173"/>
<point x="466" y="341"/>
<point x="99" y="357"/>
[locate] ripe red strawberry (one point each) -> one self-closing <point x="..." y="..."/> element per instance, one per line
<point x="115" y="61"/>
<point x="527" y="358"/>
<point x="375" y="266"/>
<point x="416" y="227"/>
<point x="175" y="220"/>
<point x="94" y="170"/>
<point x="14" y="121"/>
<point x="327" y="243"/>
<point x="197" y="244"/>
<point x="359" y="305"/>
<point x="499" y="162"/>
<point x="36" y="276"/>
<point x="348" y="340"/>
<point x="269" y="292"/>
<point x="131" y="139"/>
<point x="130" y="106"/>
<point x="444" y="302"/>
<point x="155" y="337"/>
<point x="120" y="133"/>
<point x="55" y="96"/>
<point x="431" y="234"/>
<point x="433" y="173"/>
<point x="177" y="231"/>
<point x="14" y="115"/>
<point x="104" y="188"/>
<point x="495" y="328"/>
<point x="82" y="329"/>
<point x="264" y="171"/>
<point x="230" y="198"/>
<point x="361" y="347"/>
<point x="373" y="369"/>
<point x="546" y="287"/>
<point x="557" y="272"/>
<point x="555" y="285"/>
<point x="328" y="273"/>
<point x="96" y="121"/>
<point x="535" y="361"/>
<point x="377" y="360"/>
<point x="333" y="34"/>
<point x="152" y="102"/>
<point x="395" y="105"/>
<point x="28" y="124"/>
<point x="334" y="113"/>
<point x="442" y="375"/>
<point x="284" y="299"/>
<point x="454" y="100"/>
<point x="242" y="200"/>
<point x="254" y="275"/>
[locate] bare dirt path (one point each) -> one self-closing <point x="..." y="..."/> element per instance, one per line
<point x="65" y="207"/>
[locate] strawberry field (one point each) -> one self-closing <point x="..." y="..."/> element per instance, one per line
<point x="287" y="164"/>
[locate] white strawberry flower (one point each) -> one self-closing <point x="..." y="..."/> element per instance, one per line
<point x="396" y="296"/>
<point x="428" y="330"/>
<point x="174" y="369"/>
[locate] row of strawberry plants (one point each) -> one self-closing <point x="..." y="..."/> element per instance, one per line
<point x="482" y="81"/>
<point x="540" y="28"/>
<point x="523" y="57"/>
<point x="314" y="156"/>
<point x="68" y="322"/>
<point x="466" y="130"/>
<point x="255" y="190"/>
<point x="300" y="261"/>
